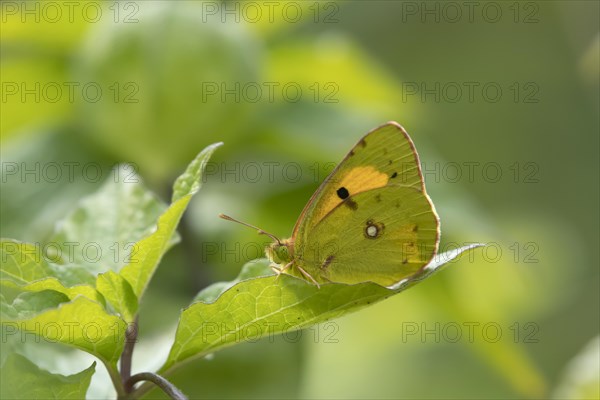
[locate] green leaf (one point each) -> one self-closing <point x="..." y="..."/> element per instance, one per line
<point x="24" y="268"/>
<point x="28" y="304"/>
<point x="54" y="284"/>
<point x="119" y="293"/>
<point x="149" y="251"/>
<point x="252" y="269"/>
<point x="21" y="379"/>
<point x="100" y="233"/>
<point x="188" y="183"/>
<point x="262" y="305"/>
<point x="22" y="263"/>
<point x="81" y="323"/>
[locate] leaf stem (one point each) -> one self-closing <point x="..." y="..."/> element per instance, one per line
<point x="113" y="372"/>
<point x="158" y="380"/>
<point x="130" y="340"/>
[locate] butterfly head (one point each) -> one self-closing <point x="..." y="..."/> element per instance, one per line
<point x="280" y="252"/>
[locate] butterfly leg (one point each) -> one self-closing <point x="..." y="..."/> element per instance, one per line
<point x="307" y="275"/>
<point x="286" y="266"/>
<point x="279" y="270"/>
<point x="275" y="268"/>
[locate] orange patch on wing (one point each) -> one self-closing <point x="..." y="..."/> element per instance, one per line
<point x="356" y="180"/>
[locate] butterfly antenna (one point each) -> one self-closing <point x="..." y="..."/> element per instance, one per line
<point x="260" y="231"/>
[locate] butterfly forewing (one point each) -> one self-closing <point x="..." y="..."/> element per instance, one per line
<point x="386" y="155"/>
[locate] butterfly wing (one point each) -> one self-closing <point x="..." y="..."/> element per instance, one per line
<point x="379" y="185"/>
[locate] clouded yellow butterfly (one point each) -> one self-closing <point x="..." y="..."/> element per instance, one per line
<point x="370" y="220"/>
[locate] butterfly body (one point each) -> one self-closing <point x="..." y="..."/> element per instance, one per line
<point x="370" y="220"/>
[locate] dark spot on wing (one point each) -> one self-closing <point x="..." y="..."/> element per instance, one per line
<point x="378" y="198"/>
<point x="390" y="162"/>
<point x="398" y="204"/>
<point x="343" y="193"/>
<point x="351" y="203"/>
<point x="351" y="153"/>
<point x="395" y="174"/>
<point x="327" y="261"/>
<point x="363" y="142"/>
<point x="415" y="228"/>
<point x="405" y="261"/>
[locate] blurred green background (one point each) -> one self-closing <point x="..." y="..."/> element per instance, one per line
<point x="501" y="99"/>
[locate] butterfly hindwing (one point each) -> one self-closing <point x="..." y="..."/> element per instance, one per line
<point x="390" y="235"/>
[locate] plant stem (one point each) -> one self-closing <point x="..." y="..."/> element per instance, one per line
<point x="130" y="340"/>
<point x="113" y="372"/>
<point x="158" y="380"/>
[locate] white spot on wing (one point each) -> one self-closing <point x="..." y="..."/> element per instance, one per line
<point x="372" y="231"/>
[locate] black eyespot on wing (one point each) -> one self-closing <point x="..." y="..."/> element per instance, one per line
<point x="343" y="193"/>
<point x="415" y="228"/>
<point x="363" y="143"/>
<point x="395" y="174"/>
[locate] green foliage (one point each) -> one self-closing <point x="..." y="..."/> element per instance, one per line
<point x="128" y="123"/>
<point x="44" y="297"/>
<point x="110" y="236"/>
<point x="42" y="293"/>
<point x="119" y="294"/>
<point x="257" y="304"/>
<point x="82" y="323"/>
<point x="21" y="379"/>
